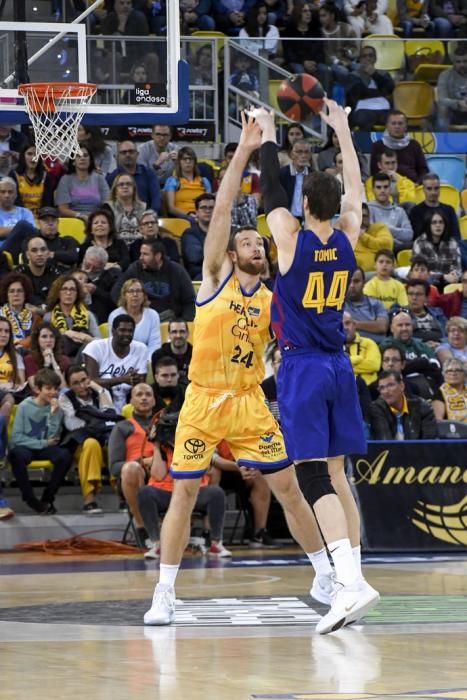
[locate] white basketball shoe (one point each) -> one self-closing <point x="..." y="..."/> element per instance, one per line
<point x="349" y="604"/>
<point x="162" y="611"/>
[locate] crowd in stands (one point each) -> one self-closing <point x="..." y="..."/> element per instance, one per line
<point x="95" y="333"/>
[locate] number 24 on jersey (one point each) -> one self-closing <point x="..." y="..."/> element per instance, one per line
<point x="314" y="297"/>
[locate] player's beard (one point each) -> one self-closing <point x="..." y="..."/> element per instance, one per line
<point x="251" y="267"/>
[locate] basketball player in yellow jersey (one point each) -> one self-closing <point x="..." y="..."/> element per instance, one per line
<point x="224" y="399"/>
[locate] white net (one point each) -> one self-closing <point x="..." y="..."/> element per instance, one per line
<point x="55" y="111"/>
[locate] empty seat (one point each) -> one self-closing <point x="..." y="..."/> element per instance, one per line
<point x="450" y="169"/>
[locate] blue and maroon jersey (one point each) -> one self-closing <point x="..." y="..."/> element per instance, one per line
<point x="308" y="301"/>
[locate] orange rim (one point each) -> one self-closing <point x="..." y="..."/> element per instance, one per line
<point x="41" y="96"/>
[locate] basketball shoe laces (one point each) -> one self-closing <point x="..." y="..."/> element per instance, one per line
<point x="220" y="399"/>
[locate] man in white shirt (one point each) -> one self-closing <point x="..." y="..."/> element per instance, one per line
<point x="117" y="363"/>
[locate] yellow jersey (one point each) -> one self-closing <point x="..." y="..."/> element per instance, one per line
<point x="231" y="330"/>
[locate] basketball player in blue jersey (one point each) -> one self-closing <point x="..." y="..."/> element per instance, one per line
<point x="318" y="402"/>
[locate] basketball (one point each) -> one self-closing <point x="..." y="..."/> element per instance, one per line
<point x="300" y="96"/>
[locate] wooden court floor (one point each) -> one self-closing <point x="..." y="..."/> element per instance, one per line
<point x="70" y="627"/>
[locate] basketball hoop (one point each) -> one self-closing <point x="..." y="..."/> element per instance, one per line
<point x="55" y="111"/>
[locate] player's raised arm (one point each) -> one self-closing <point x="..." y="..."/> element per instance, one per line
<point x="282" y="223"/>
<point x="351" y="206"/>
<point x="217" y="238"/>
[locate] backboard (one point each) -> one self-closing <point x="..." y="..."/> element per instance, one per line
<point x="140" y="79"/>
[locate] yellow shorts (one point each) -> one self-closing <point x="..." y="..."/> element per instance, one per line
<point x="242" y="419"/>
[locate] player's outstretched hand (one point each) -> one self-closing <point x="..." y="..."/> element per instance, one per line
<point x="262" y="117"/>
<point x="336" y="116"/>
<point x="251" y="132"/>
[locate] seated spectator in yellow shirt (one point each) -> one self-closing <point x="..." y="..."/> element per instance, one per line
<point x="363" y="352"/>
<point x="373" y="237"/>
<point x="383" y="286"/>
<point x="402" y="188"/>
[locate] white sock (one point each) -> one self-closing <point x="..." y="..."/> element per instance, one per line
<point x="320" y="562"/>
<point x="342" y="556"/>
<point x="357" y="557"/>
<point x="168" y="574"/>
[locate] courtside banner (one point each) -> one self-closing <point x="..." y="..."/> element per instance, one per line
<point x="413" y="495"/>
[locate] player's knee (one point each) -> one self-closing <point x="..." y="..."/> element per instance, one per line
<point x="314" y="480"/>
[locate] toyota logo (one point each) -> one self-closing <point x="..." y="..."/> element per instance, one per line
<point x="194" y="446"/>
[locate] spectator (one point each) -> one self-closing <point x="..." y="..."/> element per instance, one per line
<point x="383" y="286"/>
<point x="418" y="213"/>
<point x="363" y="352"/>
<point x="16" y="223"/>
<point x="410" y="158"/>
<point x="269" y="385"/>
<point x="450" y="401"/>
<point x="368" y="17"/>
<point x="34" y="185"/>
<point x="250" y="180"/>
<point x="393" y="358"/>
<point x="12" y="377"/>
<point x="373" y="237"/>
<point x="11" y="143"/>
<point x="134" y="302"/>
<point x="131" y="452"/>
<point x="16" y="293"/>
<point x="230" y="15"/>
<point x="454" y="303"/>
<point x="46" y="351"/>
<point x="369" y="314"/>
<point x="193" y="238"/>
<point x="394" y="416"/>
<point x="36" y="434"/>
<point x="194" y="15"/>
<point x="391" y="215"/>
<point x="67" y="312"/>
<point x="155" y="497"/>
<point x="91" y="137"/>
<point x="147" y="182"/>
<point x="41" y="271"/>
<point x="166" y="283"/>
<point x="340" y="45"/>
<point x="177" y="348"/>
<point x="294" y="132"/>
<point x="428" y="323"/>
<point x="451" y="91"/>
<point x="100" y="280"/>
<point x="149" y="231"/>
<point x="160" y="153"/>
<point x="88" y="417"/>
<point x="124" y="20"/>
<point x="369" y="91"/>
<point x="117" y="362"/>
<point x="292" y="176"/>
<point x="182" y="188"/>
<point x="201" y="73"/>
<point x="456" y="345"/>
<point x="169" y="391"/>
<point x="449" y="18"/>
<point x="100" y="232"/>
<point x="259" y="493"/>
<point x="62" y="249"/>
<point x="419" y="271"/>
<point x="245" y="78"/>
<point x="413" y="15"/>
<point x="421" y="362"/>
<point x="326" y="157"/>
<point x="303" y="54"/>
<point x="257" y="35"/>
<point x="441" y="250"/>
<point x="83" y="189"/>
<point x="402" y="189"/>
<point x="126" y="208"/>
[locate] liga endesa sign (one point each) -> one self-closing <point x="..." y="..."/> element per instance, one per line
<point x="413" y="495"/>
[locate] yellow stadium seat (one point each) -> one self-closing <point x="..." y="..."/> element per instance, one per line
<point x="464" y="200"/>
<point x="415" y="99"/>
<point x="463" y="226"/>
<point x="262" y="226"/>
<point x="36" y="463"/>
<point x="174" y="226"/>
<point x="447" y="195"/>
<point x="450" y="288"/>
<point x="403" y="258"/>
<point x="9" y="259"/>
<point x="425" y="58"/>
<point x="68" y="226"/>
<point x="164" y="331"/>
<point x="104" y="329"/>
<point x="127" y="410"/>
<point x="389" y="51"/>
<point x="215" y="166"/>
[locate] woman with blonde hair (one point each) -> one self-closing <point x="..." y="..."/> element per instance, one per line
<point x="182" y="188"/>
<point x="450" y="401"/>
<point x="456" y="345"/>
<point x="126" y="207"/>
<point x="134" y="301"/>
<point x="67" y="312"/>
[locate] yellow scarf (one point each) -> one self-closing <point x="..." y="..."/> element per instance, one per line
<point x="21" y="324"/>
<point x="79" y="316"/>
